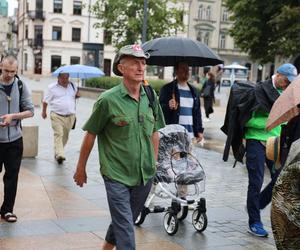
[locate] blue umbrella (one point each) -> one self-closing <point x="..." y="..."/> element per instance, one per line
<point x="79" y="71"/>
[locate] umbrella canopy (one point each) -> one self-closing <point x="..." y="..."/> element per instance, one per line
<point x="234" y="66"/>
<point x="79" y="71"/>
<point x="286" y="106"/>
<point x="168" y="51"/>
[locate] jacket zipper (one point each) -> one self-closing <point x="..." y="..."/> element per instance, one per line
<point x="8" y="127"/>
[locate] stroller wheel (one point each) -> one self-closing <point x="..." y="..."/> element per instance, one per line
<point x="183" y="213"/>
<point x="141" y="218"/>
<point x="170" y="223"/>
<point x="199" y="220"/>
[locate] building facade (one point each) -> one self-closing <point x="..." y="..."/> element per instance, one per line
<point x="57" y="32"/>
<point x="209" y="23"/>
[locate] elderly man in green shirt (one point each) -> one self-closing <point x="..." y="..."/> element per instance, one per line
<point x="126" y="127"/>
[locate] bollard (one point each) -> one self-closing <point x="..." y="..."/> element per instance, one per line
<point x="37" y="97"/>
<point x="30" y="141"/>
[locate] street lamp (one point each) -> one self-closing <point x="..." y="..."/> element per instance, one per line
<point x="144" y="34"/>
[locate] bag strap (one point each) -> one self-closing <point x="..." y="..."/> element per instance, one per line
<point x="20" y="88"/>
<point x="72" y="86"/>
<point x="151" y="97"/>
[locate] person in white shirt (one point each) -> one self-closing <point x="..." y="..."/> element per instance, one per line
<point x="61" y="97"/>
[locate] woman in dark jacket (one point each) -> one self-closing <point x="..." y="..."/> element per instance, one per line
<point x="208" y="94"/>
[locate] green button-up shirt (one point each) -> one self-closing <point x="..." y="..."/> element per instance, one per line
<point x="124" y="129"/>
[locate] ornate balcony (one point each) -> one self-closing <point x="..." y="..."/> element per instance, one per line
<point x="36" y="14"/>
<point x="36" y="43"/>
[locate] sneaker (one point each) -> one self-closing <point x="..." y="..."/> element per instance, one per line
<point x="257" y="229"/>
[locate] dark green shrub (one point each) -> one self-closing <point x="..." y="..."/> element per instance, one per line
<point x="105" y="82"/>
<point x="108" y="82"/>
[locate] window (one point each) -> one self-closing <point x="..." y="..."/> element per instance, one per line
<point x="199" y="36"/>
<point x="26" y="31"/>
<point x="55" y="62"/>
<point x="76" y="34"/>
<point x="107" y="37"/>
<point x="25" y="61"/>
<point x="200" y="12"/>
<point x="39" y="5"/>
<point x="57" y="6"/>
<point x="27" y="6"/>
<point x="107" y="67"/>
<point x="38" y="36"/>
<point x="222" y="41"/>
<point x="208" y="13"/>
<point x="206" y="38"/>
<point x="56" y="33"/>
<point x="77" y="6"/>
<point x="235" y="46"/>
<point x="225" y="15"/>
<point x="203" y="36"/>
<point x="74" y="60"/>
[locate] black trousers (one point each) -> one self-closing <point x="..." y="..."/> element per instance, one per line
<point x="10" y="157"/>
<point x="208" y="106"/>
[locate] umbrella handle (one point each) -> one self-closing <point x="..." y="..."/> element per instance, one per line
<point x="173" y="98"/>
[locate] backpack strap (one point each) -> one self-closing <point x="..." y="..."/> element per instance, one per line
<point x="20" y="88"/>
<point x="151" y="97"/>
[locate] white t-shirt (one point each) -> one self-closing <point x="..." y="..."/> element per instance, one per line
<point x="61" y="100"/>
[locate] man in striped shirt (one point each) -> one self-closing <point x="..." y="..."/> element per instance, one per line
<point x="180" y="103"/>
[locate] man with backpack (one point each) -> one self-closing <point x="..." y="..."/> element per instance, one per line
<point x="256" y="137"/>
<point x="15" y="105"/>
<point x="246" y="118"/>
<point x="61" y="97"/>
<point x="125" y="120"/>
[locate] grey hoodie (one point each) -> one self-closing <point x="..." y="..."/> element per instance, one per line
<point x="13" y="132"/>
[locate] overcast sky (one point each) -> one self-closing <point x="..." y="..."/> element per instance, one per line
<point x="12" y="4"/>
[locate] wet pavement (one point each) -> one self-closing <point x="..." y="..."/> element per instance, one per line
<point x="53" y="213"/>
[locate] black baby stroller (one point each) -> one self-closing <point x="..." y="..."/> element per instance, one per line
<point x="180" y="177"/>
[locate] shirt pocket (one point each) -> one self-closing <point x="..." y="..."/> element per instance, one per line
<point x="122" y="127"/>
<point x="149" y="125"/>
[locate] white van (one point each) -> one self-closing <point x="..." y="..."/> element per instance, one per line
<point x="234" y="73"/>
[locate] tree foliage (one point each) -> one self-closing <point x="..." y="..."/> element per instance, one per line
<point x="124" y="19"/>
<point x="266" y="28"/>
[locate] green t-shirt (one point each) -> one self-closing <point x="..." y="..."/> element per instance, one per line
<point x="256" y="127"/>
<point x="124" y="129"/>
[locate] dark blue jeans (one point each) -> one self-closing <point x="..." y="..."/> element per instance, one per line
<point x="255" y="162"/>
<point x="125" y="204"/>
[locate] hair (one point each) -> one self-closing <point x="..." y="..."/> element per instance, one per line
<point x="10" y="59"/>
<point x="177" y="65"/>
<point x="60" y="74"/>
<point x="211" y="76"/>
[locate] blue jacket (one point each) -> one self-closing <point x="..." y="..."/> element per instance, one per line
<point x="172" y="116"/>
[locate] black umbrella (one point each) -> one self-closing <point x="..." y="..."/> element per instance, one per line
<point x="168" y="51"/>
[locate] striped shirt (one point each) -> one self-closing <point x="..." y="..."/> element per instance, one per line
<point x="186" y="109"/>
